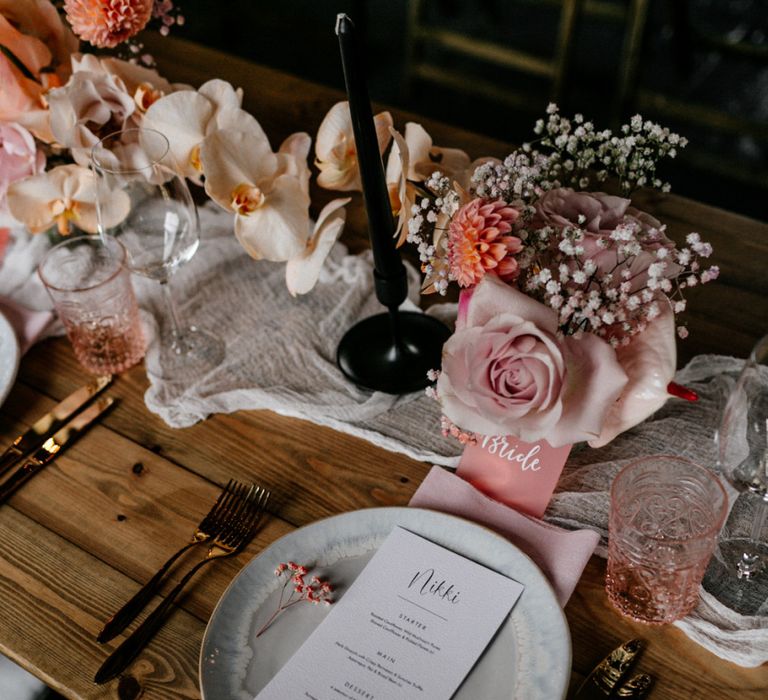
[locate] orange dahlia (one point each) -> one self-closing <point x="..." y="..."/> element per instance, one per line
<point x="478" y="242"/>
<point x="107" y="23"/>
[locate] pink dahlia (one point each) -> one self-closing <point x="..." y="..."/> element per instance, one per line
<point x="478" y="242"/>
<point x="107" y="23"/>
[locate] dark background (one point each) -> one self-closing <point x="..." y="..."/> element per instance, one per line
<point x="708" y="57"/>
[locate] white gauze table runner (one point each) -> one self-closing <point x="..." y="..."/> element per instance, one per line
<point x="281" y="356"/>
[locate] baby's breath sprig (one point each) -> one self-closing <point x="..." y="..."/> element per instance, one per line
<point x="315" y="591"/>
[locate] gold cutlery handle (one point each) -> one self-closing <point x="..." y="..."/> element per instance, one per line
<point x="123" y="617"/>
<point x="119" y="659"/>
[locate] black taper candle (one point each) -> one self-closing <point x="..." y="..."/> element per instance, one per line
<point x="391" y="281"/>
<point x="392" y="351"/>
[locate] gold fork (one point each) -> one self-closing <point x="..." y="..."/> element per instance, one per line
<point x="209" y="526"/>
<point x="235" y="534"/>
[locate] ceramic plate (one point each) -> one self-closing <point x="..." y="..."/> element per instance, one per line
<point x="529" y="659"/>
<point x="9" y="357"/>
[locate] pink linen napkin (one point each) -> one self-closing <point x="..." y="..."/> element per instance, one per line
<point x="560" y="554"/>
<point x="28" y="325"/>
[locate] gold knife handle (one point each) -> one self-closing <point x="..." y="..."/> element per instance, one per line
<point x="24" y="472"/>
<point x="12" y="455"/>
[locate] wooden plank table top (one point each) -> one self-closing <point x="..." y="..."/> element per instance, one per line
<point x="80" y="538"/>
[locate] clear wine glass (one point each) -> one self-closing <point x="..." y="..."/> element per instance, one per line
<point x="160" y="233"/>
<point x="742" y="447"/>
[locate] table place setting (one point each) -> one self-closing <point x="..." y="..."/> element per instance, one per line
<point x="535" y="418"/>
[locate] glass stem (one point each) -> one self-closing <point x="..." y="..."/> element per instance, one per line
<point x="752" y="563"/>
<point x="177" y="335"/>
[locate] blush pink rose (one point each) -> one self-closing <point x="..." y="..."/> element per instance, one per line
<point x="506" y="371"/>
<point x="602" y="214"/>
<point x="19" y="157"/>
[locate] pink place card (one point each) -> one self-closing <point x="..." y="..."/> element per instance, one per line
<point x="520" y="474"/>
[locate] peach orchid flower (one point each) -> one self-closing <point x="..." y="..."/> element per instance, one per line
<point x="269" y="195"/>
<point x="335" y="150"/>
<point x="266" y="191"/>
<point x="64" y="196"/>
<point x="411" y="161"/>
<point x="187" y="117"/>
<point x="303" y="271"/>
<point x="649" y="362"/>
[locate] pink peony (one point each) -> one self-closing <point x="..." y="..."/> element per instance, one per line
<point x="19" y="157"/>
<point x="107" y="23"/>
<point x="478" y="242"/>
<point x="602" y="215"/>
<point x="506" y="371"/>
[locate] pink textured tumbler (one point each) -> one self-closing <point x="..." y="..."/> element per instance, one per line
<point x="666" y="513"/>
<point x="94" y="299"/>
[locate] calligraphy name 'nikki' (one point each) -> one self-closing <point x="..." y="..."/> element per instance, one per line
<point x="428" y="584"/>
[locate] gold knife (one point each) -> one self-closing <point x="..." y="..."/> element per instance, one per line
<point x="51" y="421"/>
<point x="52" y="446"/>
<point x="607" y="677"/>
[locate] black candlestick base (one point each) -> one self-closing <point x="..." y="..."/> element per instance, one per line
<point x="369" y="355"/>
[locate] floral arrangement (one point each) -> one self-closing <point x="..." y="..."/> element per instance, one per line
<point x="316" y="591"/>
<point x="566" y="326"/>
<point x="56" y="104"/>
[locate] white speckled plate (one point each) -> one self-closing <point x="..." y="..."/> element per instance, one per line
<point x="529" y="659"/>
<point x="9" y="357"/>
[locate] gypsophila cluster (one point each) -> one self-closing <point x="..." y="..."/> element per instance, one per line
<point x="315" y="591"/>
<point x="588" y="153"/>
<point x="553" y="266"/>
<point x="618" y="302"/>
<point x="579" y="156"/>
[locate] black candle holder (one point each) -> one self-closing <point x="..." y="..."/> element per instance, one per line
<point x="393" y="351"/>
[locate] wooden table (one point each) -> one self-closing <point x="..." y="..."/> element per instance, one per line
<point x="79" y="539"/>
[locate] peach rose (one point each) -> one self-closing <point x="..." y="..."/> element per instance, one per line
<point x="20" y="93"/>
<point x="40" y="19"/>
<point x="506" y="371"/>
<point x="86" y="109"/>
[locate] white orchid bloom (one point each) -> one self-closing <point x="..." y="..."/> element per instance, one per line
<point x="425" y="158"/>
<point x="335" y="150"/>
<point x="292" y="158"/>
<point x="64" y="196"/>
<point x="303" y="271"/>
<point x="402" y="195"/>
<point x="266" y="191"/>
<point x="188" y="116"/>
<point x="411" y="161"/>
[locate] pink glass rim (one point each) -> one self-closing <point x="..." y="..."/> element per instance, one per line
<point x="64" y="244"/>
<point x="709" y="476"/>
<point x="98" y="165"/>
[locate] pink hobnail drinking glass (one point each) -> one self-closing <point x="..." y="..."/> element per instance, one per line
<point x="91" y="290"/>
<point x="666" y="513"/>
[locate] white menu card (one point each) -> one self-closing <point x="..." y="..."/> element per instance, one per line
<point x="412" y="625"/>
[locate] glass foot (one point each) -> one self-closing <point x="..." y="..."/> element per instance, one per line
<point x="737" y="576"/>
<point x="186" y="356"/>
<point x="745" y="558"/>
